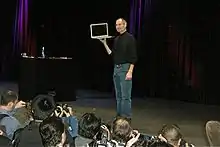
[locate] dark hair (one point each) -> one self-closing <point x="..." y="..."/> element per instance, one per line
<point x="89" y="125"/>
<point x="8" y="96"/>
<point x="51" y="130"/>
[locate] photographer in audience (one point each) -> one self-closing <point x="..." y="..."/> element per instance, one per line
<point x="71" y="123"/>
<point x="88" y="130"/>
<point x="172" y="135"/>
<point x="124" y="135"/>
<point x="52" y="132"/>
<point x="45" y="108"/>
<point x="8" y="104"/>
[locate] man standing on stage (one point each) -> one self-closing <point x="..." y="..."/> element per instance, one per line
<point x="124" y="56"/>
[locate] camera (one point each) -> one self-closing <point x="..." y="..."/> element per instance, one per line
<point x="60" y="109"/>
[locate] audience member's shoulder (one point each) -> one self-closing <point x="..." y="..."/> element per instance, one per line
<point x="4" y="116"/>
<point x="9" y="117"/>
<point x="9" y="120"/>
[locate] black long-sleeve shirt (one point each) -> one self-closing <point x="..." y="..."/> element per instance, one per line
<point x="124" y="49"/>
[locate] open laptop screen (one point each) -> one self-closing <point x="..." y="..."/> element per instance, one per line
<point x="99" y="30"/>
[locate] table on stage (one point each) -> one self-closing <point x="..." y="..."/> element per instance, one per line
<point x="42" y="75"/>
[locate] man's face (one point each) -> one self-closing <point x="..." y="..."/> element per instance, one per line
<point x="120" y="26"/>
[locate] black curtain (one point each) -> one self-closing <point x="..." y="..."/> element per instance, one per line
<point x="178" y="45"/>
<point x="7" y="55"/>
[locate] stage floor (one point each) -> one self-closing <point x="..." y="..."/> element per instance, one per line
<point x="149" y="114"/>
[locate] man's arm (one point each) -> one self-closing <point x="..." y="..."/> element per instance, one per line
<point x="106" y="46"/>
<point x="132" y="53"/>
<point x="11" y="125"/>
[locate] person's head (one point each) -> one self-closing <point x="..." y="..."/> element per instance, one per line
<point x="213" y="133"/>
<point x="121" y="25"/>
<point x="171" y="134"/>
<point x="89" y="126"/>
<point x="121" y="130"/>
<point x="8" y="100"/>
<point x="52" y="132"/>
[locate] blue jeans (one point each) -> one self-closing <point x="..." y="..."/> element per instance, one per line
<point x="123" y="90"/>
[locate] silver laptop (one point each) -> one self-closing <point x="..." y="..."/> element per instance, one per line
<point x="99" y="31"/>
